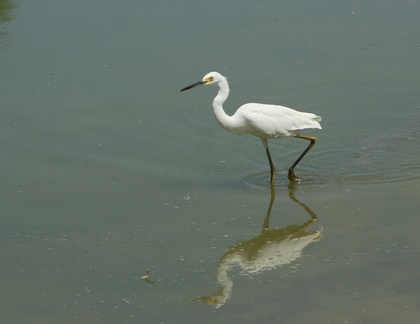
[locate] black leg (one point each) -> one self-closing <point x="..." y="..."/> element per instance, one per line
<point x="292" y="175"/>
<point x="273" y="170"/>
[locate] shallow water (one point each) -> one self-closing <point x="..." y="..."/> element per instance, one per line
<point x="108" y="170"/>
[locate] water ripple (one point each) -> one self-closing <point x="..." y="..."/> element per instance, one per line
<point x="346" y="166"/>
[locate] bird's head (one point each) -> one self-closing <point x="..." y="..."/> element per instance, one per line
<point x="211" y="78"/>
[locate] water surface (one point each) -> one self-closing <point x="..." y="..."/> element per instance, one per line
<point x="108" y="170"/>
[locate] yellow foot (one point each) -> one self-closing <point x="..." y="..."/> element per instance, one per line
<point x="292" y="176"/>
<point x="272" y="179"/>
<point x="273" y="174"/>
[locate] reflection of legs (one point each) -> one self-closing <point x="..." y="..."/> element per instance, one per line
<point x="273" y="170"/>
<point x="292" y="175"/>
<point x="266" y="224"/>
<point x="307" y="209"/>
<point x="291" y="188"/>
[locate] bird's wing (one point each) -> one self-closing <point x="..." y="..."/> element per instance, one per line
<point x="274" y="121"/>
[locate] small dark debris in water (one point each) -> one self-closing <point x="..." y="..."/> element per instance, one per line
<point x="370" y="47"/>
<point x="146" y="274"/>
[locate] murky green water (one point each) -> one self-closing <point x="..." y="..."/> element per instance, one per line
<point x="107" y="170"/>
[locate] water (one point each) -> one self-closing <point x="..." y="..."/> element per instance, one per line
<point x="107" y="170"/>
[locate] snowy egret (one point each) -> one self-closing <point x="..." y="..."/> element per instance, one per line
<point x="261" y="120"/>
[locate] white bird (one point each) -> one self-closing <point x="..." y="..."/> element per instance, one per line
<point x="261" y="120"/>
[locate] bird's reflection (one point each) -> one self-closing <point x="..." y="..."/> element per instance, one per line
<point x="271" y="249"/>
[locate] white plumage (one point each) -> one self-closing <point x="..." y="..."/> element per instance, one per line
<point x="272" y="121"/>
<point x="261" y="120"/>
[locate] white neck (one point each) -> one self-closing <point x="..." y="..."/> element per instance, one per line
<point x="224" y="119"/>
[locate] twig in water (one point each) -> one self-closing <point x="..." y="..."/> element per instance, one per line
<point x="146" y="274"/>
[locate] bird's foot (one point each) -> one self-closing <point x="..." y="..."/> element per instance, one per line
<point x="272" y="178"/>
<point x="292" y="176"/>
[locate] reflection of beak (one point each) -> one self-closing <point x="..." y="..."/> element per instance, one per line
<point x="194" y="85"/>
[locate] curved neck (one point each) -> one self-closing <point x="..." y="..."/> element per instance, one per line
<point x="223" y="118"/>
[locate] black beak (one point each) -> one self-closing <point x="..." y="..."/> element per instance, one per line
<point x="194" y="85"/>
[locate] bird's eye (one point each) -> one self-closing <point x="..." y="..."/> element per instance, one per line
<point x="211" y="79"/>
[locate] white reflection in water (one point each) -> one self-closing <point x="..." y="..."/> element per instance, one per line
<point x="269" y="250"/>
